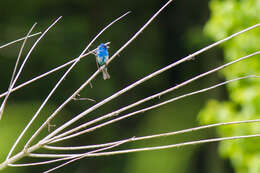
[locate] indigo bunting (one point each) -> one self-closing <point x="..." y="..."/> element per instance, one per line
<point x="102" y="57"/>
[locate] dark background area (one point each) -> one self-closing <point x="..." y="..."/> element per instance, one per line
<point x="176" y="33"/>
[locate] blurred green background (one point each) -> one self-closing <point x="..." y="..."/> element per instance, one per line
<point x="176" y="33"/>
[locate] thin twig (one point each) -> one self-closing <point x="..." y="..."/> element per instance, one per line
<point x="145" y="148"/>
<point x="134" y="113"/>
<point x="36" y="155"/>
<point x="78" y="98"/>
<point x="151" y="136"/>
<point x="29" y="53"/>
<point x="96" y="73"/>
<point x="138" y="82"/>
<point x="49" y="72"/>
<point x="12" y="82"/>
<point x="56" y="138"/>
<point x="57" y="160"/>
<point x="23" y="153"/>
<point x="20" y="39"/>
<point x="171" y="146"/>
<point x="37" y="146"/>
<point x="73" y="96"/>
<point x="67" y="158"/>
<point x="66" y="155"/>
<point x="83" y="155"/>
<point x="41" y="163"/>
<point x="137" y="150"/>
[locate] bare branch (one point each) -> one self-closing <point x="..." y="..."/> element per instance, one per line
<point x="56" y="138"/>
<point x="49" y="72"/>
<point x="171" y="146"/>
<point x="41" y="163"/>
<point x="83" y="155"/>
<point x="21" y="39"/>
<point x="152" y="136"/>
<point x="29" y="53"/>
<point x="12" y="83"/>
<point x="100" y="69"/>
<point x="73" y="95"/>
<point x="137" y="82"/>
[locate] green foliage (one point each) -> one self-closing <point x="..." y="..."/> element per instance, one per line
<point x="228" y="17"/>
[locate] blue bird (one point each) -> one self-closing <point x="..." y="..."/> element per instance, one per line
<point x="102" y="57"/>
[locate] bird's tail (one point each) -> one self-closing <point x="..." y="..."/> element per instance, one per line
<point x="105" y="74"/>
